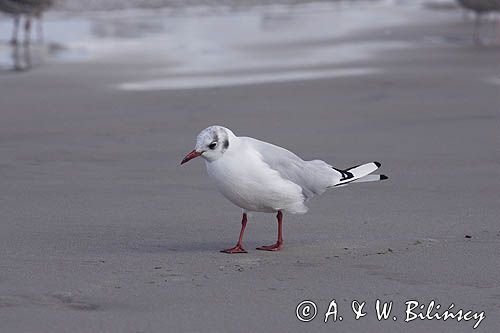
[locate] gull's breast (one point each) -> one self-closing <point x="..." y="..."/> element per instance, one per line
<point x="253" y="185"/>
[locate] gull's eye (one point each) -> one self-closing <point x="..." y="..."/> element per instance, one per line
<point x="212" y="145"/>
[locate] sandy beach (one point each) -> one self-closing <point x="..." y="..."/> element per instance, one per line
<point x="102" y="230"/>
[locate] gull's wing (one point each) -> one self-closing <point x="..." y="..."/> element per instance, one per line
<point x="314" y="177"/>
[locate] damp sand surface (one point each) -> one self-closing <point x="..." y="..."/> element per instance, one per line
<point x="101" y="230"/>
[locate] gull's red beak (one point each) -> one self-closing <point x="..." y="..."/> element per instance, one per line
<point x="190" y="156"/>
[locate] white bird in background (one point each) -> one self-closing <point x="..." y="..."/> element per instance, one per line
<point x="261" y="177"/>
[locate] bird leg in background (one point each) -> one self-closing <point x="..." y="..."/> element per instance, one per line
<point x="279" y="242"/>
<point x="27" y="30"/>
<point x="477" y="29"/>
<point x="39" y="28"/>
<point x="13" y="41"/>
<point x="497" y="20"/>
<point x="239" y="248"/>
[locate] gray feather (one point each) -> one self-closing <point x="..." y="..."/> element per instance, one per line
<point x="314" y="177"/>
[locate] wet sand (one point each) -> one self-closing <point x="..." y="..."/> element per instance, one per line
<point x="103" y="231"/>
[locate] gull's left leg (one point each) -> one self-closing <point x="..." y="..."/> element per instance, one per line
<point x="279" y="242"/>
<point x="239" y="246"/>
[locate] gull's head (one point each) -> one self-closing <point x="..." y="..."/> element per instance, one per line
<point x="211" y="144"/>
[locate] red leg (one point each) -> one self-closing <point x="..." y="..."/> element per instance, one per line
<point x="239" y="248"/>
<point x="279" y="242"/>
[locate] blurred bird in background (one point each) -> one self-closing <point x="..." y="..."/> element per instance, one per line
<point x="28" y="9"/>
<point x="480" y="7"/>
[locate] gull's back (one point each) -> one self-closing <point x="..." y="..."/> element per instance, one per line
<point x="314" y="177"/>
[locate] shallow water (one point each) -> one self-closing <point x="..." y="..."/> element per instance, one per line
<point x="177" y="4"/>
<point x="224" y="43"/>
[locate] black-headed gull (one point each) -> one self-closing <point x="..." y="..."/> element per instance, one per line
<point x="261" y="177"/>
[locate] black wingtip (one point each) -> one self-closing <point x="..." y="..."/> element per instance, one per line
<point x="383" y="177"/>
<point x="377" y="164"/>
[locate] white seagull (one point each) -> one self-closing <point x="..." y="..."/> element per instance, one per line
<point x="260" y="177"/>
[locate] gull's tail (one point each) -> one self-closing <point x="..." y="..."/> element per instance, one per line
<point x="359" y="174"/>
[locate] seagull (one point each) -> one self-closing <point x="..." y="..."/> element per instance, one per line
<point x="261" y="177"/>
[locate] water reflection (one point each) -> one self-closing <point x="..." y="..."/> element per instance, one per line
<point x="126" y="28"/>
<point x="223" y="37"/>
<point x="21" y="57"/>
